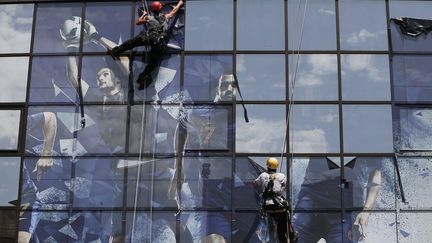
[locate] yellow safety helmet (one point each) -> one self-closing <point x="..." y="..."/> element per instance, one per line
<point x="272" y="163"/>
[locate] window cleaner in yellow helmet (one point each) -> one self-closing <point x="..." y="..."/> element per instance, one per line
<point x="271" y="185"/>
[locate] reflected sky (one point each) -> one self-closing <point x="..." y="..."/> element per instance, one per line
<point x="49" y="81"/>
<point x="367" y="129"/>
<point x="261" y="76"/>
<point x="316" y="129"/>
<point x="9" y="167"/>
<point x="15" y="32"/>
<point x="49" y="20"/>
<point x="111" y="20"/>
<point x="9" y="126"/>
<point x="13" y="76"/>
<point x="250" y="27"/>
<point x="255" y="136"/>
<point x="319" y="28"/>
<point x="365" y="77"/>
<point x="368" y="34"/>
<point x="316" y="77"/>
<point x="412" y="78"/>
<point x="202" y="74"/>
<point x="209" y="25"/>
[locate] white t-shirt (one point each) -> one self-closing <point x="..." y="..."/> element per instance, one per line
<point x="279" y="181"/>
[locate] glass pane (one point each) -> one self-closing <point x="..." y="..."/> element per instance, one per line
<point x="50" y="131"/>
<point x="316" y="183"/>
<point x="413" y="129"/>
<point x="315" y="129"/>
<point x="205" y="76"/>
<point x="416" y="179"/>
<point x="247" y="169"/>
<point x="365" y="77"/>
<point x="52" y="19"/>
<point x="209" y="25"/>
<point x="412" y="78"/>
<point x="368" y="34"/>
<point x="8" y="225"/>
<point x="208" y="128"/>
<point x="367" y="129"/>
<point x="246" y="224"/>
<point x="159" y="131"/>
<point x="249" y="28"/>
<point x="207" y="183"/>
<point x="9" y="179"/>
<point x="15" y="33"/>
<point x="94" y="183"/>
<point x="310" y="227"/>
<point x="42" y="194"/>
<point x="50" y="80"/>
<point x="103" y="79"/>
<point x="319" y="25"/>
<point x="13" y="76"/>
<point x="381" y="227"/>
<point x="111" y="20"/>
<point x="165" y="82"/>
<point x="411" y="9"/>
<point x="370" y="183"/>
<point x="9" y="126"/>
<point x="413" y="227"/>
<point x="105" y="130"/>
<point x="144" y="226"/>
<point x="155" y="175"/>
<point x="316" y="77"/>
<point x="206" y="226"/>
<point x="255" y="136"/>
<point x="261" y="77"/>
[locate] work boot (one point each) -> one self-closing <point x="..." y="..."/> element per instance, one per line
<point x="294" y="236"/>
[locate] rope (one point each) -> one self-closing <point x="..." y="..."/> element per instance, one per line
<point x="293" y="81"/>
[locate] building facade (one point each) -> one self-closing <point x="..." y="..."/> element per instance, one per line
<point x="333" y="88"/>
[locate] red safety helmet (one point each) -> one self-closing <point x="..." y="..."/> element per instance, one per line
<point x="156" y="6"/>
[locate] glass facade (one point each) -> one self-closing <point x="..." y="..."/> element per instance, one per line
<point x="87" y="155"/>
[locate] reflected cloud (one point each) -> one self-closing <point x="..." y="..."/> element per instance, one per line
<point x="9" y="127"/>
<point x="326" y="11"/>
<point x="15" y="31"/>
<point x="13" y="75"/>
<point x="257" y="137"/>
<point x="365" y="64"/>
<point x="317" y="65"/>
<point x="309" y="140"/>
<point x="364" y="36"/>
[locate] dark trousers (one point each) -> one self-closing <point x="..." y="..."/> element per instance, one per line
<point x="157" y="49"/>
<point x="281" y="223"/>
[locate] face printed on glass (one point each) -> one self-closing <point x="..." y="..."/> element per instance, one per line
<point x="225" y="87"/>
<point x="105" y="79"/>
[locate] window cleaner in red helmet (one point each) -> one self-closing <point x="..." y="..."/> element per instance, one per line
<point x="155" y="37"/>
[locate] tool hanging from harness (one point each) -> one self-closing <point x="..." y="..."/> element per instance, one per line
<point x="272" y="201"/>
<point x="156" y="30"/>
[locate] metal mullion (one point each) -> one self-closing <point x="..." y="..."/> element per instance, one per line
<point x="233" y="113"/>
<point x="23" y="119"/>
<point x="341" y="141"/>
<point x="127" y="137"/>
<point x="180" y="147"/>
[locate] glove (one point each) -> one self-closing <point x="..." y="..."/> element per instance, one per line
<point x="90" y="33"/>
